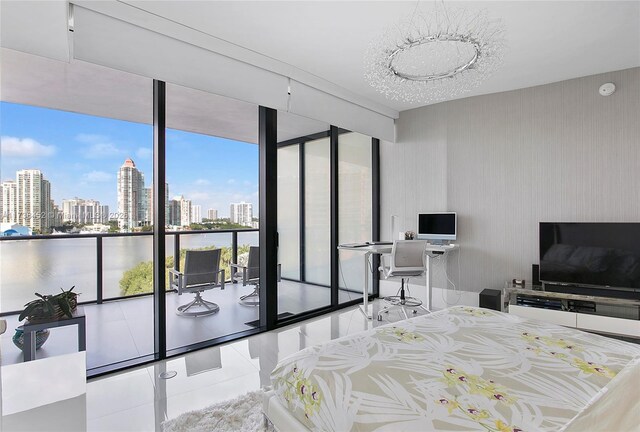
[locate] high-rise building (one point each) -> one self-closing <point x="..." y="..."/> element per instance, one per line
<point x="33" y="200"/>
<point x="212" y="214"/>
<point x="174" y="212"/>
<point x="9" y="201"/>
<point x="148" y="204"/>
<point x="56" y="214"/>
<point x="241" y="213"/>
<point x="196" y="213"/>
<point x="131" y="196"/>
<point x="185" y="210"/>
<point x="84" y="211"/>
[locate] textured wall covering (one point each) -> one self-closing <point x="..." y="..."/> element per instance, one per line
<point x="506" y="161"/>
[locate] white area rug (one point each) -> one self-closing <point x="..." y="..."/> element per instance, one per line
<point x="241" y="414"/>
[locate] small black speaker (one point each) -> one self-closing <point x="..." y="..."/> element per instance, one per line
<point x="535" y="274"/>
<point x="491" y="299"/>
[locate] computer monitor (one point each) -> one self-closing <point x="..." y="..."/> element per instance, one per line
<point x="437" y="226"/>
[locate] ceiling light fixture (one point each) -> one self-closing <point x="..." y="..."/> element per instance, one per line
<point x="435" y="55"/>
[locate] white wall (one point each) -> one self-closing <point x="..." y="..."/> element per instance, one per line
<point x="506" y="161"/>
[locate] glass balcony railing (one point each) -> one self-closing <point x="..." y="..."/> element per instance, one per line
<point x="101" y="266"/>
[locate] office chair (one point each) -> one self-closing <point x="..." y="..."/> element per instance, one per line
<point x="250" y="274"/>
<point x="407" y="259"/>
<point x="201" y="272"/>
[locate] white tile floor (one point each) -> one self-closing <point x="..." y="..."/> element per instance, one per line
<point x="137" y="400"/>
<point x="123" y="330"/>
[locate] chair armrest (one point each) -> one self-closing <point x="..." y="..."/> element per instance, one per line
<point x="385" y="267"/>
<point x="234" y="273"/>
<point x="176" y="280"/>
<point x="175" y="272"/>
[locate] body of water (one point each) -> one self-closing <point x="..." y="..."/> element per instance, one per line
<point x="44" y="266"/>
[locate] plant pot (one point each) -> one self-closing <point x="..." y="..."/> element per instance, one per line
<point x="41" y="338"/>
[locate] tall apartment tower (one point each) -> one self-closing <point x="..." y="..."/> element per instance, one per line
<point x="196" y="213"/>
<point x="9" y="203"/>
<point x="33" y="200"/>
<point x="185" y="210"/>
<point x="148" y="205"/>
<point x="241" y="213"/>
<point x="78" y="210"/>
<point x="212" y="214"/>
<point x="131" y="196"/>
<point x="174" y="212"/>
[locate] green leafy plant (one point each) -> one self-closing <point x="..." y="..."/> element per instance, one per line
<point x="50" y="306"/>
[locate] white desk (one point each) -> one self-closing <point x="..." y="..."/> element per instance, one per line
<point x="379" y="249"/>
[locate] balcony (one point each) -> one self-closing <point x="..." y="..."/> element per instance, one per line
<point x="109" y="272"/>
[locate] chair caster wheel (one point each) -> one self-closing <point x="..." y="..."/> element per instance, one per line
<point x="415" y="311"/>
<point x="379" y="317"/>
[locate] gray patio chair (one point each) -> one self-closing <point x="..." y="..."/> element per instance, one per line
<point x="201" y="272"/>
<point x="249" y="274"/>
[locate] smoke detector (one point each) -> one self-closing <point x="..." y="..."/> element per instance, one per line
<point x="607" y="89"/>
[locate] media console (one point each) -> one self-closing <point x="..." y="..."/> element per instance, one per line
<point x="599" y="314"/>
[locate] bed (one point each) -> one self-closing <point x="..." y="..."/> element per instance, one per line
<point x="461" y="368"/>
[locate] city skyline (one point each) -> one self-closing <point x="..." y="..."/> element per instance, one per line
<point x="81" y="155"/>
<point x="130" y="182"/>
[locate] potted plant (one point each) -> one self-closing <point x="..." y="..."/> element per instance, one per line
<point x="46" y="308"/>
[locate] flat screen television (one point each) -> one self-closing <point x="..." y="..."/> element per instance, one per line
<point x="592" y="255"/>
<point x="437" y="226"/>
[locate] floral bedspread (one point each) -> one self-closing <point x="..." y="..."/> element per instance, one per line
<point x="459" y="369"/>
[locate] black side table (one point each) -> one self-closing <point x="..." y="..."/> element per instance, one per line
<point x="29" y="348"/>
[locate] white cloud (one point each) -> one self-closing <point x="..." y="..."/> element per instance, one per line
<point x="144" y="153"/>
<point x="202" y="182"/>
<point x="100" y="146"/>
<point x="98" y="176"/>
<point x="24" y="147"/>
<point x="231" y="181"/>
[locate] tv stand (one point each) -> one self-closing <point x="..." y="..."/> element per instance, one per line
<point x="594" y="313"/>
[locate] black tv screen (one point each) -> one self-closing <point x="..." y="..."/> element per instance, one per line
<point x="590" y="254"/>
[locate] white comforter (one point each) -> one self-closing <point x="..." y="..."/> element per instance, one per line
<point x="462" y="368"/>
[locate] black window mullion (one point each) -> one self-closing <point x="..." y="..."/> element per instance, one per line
<point x="268" y="155"/>
<point x="333" y="157"/>
<point x="375" y="207"/>
<point x="302" y="210"/>
<point x="159" y="222"/>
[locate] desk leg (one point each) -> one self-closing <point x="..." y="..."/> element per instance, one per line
<point x="427" y="278"/>
<point x="365" y="291"/>
<point x="29" y="346"/>
<point x="82" y="335"/>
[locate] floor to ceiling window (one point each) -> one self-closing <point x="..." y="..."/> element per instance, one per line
<point x="79" y="209"/>
<point x="303" y="215"/>
<point x="75" y="163"/>
<point x="305" y="207"/>
<point x="354" y="210"/>
<point x="212" y="182"/>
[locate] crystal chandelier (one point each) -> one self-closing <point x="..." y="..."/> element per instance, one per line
<point x="435" y="56"/>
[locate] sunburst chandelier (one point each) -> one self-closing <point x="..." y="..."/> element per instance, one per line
<point x="435" y="55"/>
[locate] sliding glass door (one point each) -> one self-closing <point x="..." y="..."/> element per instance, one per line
<point x="355" y="178"/>
<point x="310" y="207"/>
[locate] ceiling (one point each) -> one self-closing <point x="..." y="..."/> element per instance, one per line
<point x="320" y="42"/>
<point x="548" y="41"/>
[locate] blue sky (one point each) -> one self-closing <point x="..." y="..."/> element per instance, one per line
<point x="80" y="155"/>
